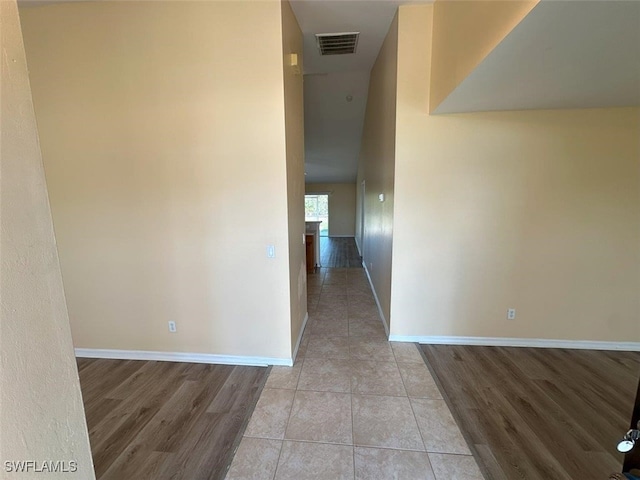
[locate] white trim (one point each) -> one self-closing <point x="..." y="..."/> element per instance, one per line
<point x="518" y="342"/>
<point x="182" y="357"/>
<point x="304" y="325"/>
<point x="375" y="296"/>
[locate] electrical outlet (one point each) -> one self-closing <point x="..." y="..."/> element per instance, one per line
<point x="172" y="327"/>
<point x="511" y="314"/>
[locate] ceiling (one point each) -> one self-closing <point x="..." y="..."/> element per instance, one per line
<point x="333" y="125"/>
<point x="564" y="54"/>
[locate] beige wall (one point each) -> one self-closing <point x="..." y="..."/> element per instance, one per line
<point x="165" y="156"/>
<point x="41" y="413"/>
<point x="376" y="169"/>
<point x="294" y="123"/>
<point x="342" y="206"/>
<point x="464" y="32"/>
<point x="533" y="210"/>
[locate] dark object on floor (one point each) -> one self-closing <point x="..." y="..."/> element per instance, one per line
<point x="625" y="476"/>
<point x="632" y="459"/>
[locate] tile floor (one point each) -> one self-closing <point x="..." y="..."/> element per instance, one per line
<point x="354" y="406"/>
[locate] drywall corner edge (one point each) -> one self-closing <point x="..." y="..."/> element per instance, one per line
<point x="375" y="296"/>
<point x="304" y="325"/>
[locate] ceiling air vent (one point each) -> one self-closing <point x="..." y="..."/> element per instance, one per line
<point x="337" y="43"/>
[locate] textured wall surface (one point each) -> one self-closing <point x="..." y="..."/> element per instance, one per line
<point x="294" y="128"/>
<point x="41" y="412"/>
<point x="165" y="156"/>
<point x="534" y="210"/>
<point x="377" y="168"/>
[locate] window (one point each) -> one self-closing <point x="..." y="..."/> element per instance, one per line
<point x="316" y="208"/>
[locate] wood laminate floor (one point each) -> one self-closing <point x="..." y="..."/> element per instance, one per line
<point x="165" y="420"/>
<point x="339" y="252"/>
<point x="539" y="414"/>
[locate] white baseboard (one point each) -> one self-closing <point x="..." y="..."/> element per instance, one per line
<point x="518" y="342"/>
<point x="304" y="325"/>
<point x="375" y="296"/>
<point x="182" y="357"/>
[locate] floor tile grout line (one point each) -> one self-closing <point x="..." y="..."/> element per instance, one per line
<point x="394" y="449"/>
<point x="404" y="386"/>
<point x="422" y="438"/>
<point x="284" y="434"/>
<point x="449" y="454"/>
<point x="353" y="429"/>
<point x="354" y="393"/>
<point x="349" y="393"/>
<point x="363" y="445"/>
<point x="301" y="367"/>
<point x="286" y="427"/>
<point x="275" y="471"/>
<point x="317" y="442"/>
<point x="391" y="449"/>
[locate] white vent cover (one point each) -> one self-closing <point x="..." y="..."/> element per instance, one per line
<point x="337" y="43"/>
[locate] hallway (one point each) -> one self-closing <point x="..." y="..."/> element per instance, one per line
<point x="354" y="406"/>
<point x="339" y="252"/>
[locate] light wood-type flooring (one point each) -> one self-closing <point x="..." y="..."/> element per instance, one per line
<point x="165" y="420"/>
<point x="339" y="252"/>
<point x="539" y="414"/>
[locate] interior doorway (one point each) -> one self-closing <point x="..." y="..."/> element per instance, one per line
<point x="316" y="209"/>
